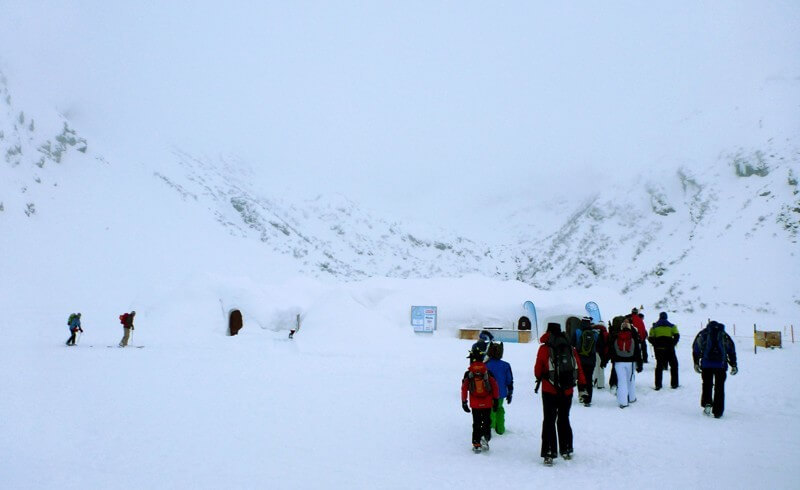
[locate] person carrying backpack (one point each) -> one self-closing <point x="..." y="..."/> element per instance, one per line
<point x="74" y="324"/>
<point x="586" y="342"/>
<point x="126" y="319"/>
<point x="625" y="354"/>
<point x="501" y="371"/>
<point x="664" y="336"/>
<point x="485" y="339"/>
<point x="557" y="370"/>
<point x="637" y="320"/>
<point x="480" y="387"/>
<point x="712" y="352"/>
<point x="613" y="330"/>
<point x="599" y="375"/>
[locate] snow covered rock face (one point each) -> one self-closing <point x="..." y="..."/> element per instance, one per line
<point x="720" y="235"/>
<point x="328" y="236"/>
<point x="694" y="238"/>
<point x="28" y="148"/>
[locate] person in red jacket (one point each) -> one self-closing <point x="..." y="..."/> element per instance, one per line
<point x="484" y="396"/>
<point x="557" y="369"/>
<point x="637" y="320"/>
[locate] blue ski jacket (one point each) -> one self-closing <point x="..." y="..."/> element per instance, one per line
<point x="501" y="370"/>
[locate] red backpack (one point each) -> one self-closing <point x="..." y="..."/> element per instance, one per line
<point x="624" y="345"/>
<point x="479" y="385"/>
<point x="123" y="319"/>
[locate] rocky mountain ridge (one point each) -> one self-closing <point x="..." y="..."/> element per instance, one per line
<point x="691" y="237"/>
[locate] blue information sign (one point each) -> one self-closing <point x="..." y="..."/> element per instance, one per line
<point x="423" y="318"/>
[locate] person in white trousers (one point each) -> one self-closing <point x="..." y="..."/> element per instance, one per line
<point x="627" y="357"/>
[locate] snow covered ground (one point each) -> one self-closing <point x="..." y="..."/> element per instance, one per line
<point x="357" y="400"/>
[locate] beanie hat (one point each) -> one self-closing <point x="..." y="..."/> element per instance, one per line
<point x="553" y="327"/>
<point x="662" y="315"/>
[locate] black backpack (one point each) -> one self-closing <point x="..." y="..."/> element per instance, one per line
<point x="715" y="344"/>
<point x="563" y="373"/>
<point x="587" y="343"/>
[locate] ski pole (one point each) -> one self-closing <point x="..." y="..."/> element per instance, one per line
<point x="79" y="337"/>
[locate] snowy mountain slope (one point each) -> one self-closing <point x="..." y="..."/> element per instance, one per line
<point x="30" y="148"/>
<point x="718" y="235"/>
<point x="663" y="240"/>
<point x="331" y="234"/>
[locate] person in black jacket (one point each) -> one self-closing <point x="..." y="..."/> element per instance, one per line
<point x="664" y="336"/>
<point x="713" y="351"/>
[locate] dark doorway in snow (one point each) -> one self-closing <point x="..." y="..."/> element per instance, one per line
<point x="524" y="323"/>
<point x="235" y="322"/>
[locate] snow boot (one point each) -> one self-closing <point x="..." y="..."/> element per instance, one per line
<point x="476" y="447"/>
<point x="548" y="461"/>
<point x="707" y="410"/>
<point x="567" y="456"/>
<point x="484" y="444"/>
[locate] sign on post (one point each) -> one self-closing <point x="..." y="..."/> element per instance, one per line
<point x="423" y="318"/>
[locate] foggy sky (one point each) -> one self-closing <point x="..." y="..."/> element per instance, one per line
<point x="415" y="106"/>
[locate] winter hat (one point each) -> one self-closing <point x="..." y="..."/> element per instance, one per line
<point x="662" y="315"/>
<point x="553" y="328"/>
<point x="635" y="310"/>
<point x="495" y="351"/>
<point x="486" y="335"/>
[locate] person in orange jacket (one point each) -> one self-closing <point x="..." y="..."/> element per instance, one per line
<point x="557" y="370"/>
<point x="484" y="397"/>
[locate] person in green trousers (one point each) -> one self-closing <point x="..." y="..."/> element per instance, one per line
<point x="501" y="370"/>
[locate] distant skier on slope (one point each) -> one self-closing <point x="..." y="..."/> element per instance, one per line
<point x="664" y="336"/>
<point x="558" y="369"/>
<point x="481" y="388"/>
<point x="713" y="350"/>
<point x="501" y="371"/>
<point x="74" y="324"/>
<point x="127" y="326"/>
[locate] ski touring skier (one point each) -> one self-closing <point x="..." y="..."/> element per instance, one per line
<point x="501" y="371"/>
<point x="626" y="356"/>
<point x="557" y="371"/>
<point x="127" y="326"/>
<point x="480" y="394"/>
<point x="74" y="324"/>
<point x="713" y="351"/>
<point x="664" y="336"/>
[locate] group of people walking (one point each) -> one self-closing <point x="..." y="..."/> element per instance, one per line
<point x="577" y="358"/>
<point x="74" y="324"/>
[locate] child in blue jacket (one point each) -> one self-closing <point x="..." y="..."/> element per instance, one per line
<point x="501" y="370"/>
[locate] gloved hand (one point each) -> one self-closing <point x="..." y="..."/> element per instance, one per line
<point x="639" y="368"/>
<point x="464" y="406"/>
<point x="734" y="370"/>
<point x="495" y="404"/>
<point x="603" y="364"/>
<point x="508" y="398"/>
<point x="697" y="369"/>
